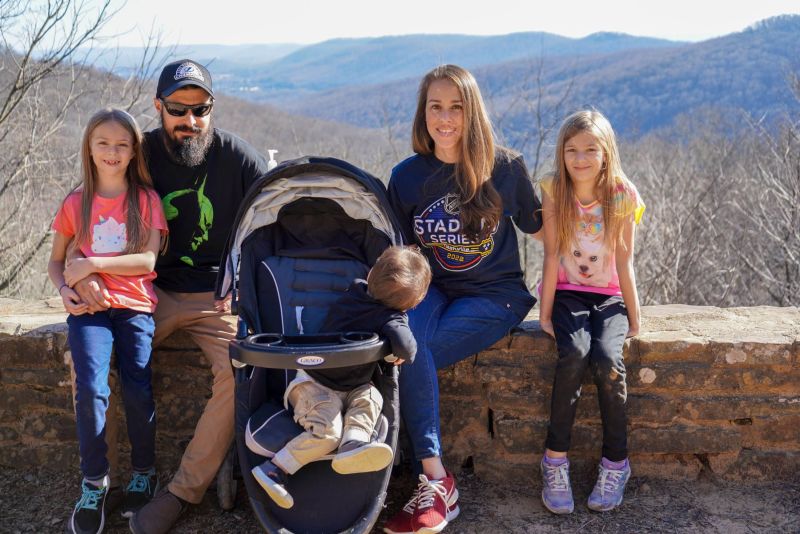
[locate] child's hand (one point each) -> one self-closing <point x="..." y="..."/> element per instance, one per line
<point x="72" y="301"/>
<point x="633" y="328"/>
<point x="547" y="327"/>
<point x="223" y="305"/>
<point x="78" y="269"/>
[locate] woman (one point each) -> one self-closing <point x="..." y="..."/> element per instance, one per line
<point x="456" y="197"/>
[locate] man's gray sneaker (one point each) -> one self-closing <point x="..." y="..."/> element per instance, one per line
<point x="159" y="515"/>
<point x="556" y="490"/>
<point x="140" y="491"/>
<point x="609" y="489"/>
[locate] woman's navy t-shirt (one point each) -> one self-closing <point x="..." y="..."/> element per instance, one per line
<point x="425" y="199"/>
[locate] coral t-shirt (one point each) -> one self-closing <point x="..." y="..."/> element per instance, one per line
<point x="109" y="238"/>
<point x="591" y="266"/>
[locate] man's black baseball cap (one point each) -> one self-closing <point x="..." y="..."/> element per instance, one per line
<point x="182" y="73"/>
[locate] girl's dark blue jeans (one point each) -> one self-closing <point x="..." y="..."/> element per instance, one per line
<point x="91" y="339"/>
<point x="590" y="331"/>
<point x="446" y="331"/>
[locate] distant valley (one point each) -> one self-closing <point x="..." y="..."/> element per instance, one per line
<point x="641" y="83"/>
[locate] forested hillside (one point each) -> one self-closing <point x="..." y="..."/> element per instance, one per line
<point x="640" y="90"/>
<point x="285" y="73"/>
<point x="711" y="137"/>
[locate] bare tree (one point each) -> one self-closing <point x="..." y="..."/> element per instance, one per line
<point x="546" y="112"/>
<point x="722" y="226"/>
<point x="47" y="84"/>
<point x="771" y="210"/>
<point x="543" y="111"/>
<point x="49" y="35"/>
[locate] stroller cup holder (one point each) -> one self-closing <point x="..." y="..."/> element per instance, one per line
<point x="317" y="351"/>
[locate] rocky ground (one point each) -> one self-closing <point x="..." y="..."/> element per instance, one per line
<point x="41" y="503"/>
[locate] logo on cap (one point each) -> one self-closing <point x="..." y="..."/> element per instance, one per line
<point x="189" y="70"/>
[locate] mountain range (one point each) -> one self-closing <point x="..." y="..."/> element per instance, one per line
<point x="641" y="83"/>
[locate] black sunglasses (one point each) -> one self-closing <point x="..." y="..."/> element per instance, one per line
<point x="179" y="110"/>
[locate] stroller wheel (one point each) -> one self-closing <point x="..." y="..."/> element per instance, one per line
<point x="226" y="484"/>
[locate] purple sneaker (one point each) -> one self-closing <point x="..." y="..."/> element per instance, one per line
<point x="610" y="487"/>
<point x="556" y="490"/>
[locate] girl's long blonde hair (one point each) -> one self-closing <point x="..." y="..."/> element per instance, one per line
<point x="139" y="181"/>
<point x="481" y="205"/>
<point x="610" y="181"/>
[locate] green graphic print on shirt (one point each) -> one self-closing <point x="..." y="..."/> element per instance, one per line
<point x="205" y="221"/>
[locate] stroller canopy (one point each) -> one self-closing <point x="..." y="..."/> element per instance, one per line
<point x="359" y="194"/>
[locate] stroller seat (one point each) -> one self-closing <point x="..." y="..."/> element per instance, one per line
<point x="294" y="296"/>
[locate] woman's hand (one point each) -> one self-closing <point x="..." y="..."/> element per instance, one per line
<point x="72" y="301"/>
<point x="78" y="269"/>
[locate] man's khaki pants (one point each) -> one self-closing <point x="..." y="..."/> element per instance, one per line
<point x="211" y="330"/>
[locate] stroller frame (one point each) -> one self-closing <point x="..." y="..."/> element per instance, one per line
<point x="263" y="355"/>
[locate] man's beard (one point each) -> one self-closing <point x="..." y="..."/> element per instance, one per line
<point x="190" y="151"/>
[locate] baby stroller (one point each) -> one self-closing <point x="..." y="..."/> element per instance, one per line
<point x="305" y="230"/>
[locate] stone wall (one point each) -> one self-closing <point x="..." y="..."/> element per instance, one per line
<point x="711" y="391"/>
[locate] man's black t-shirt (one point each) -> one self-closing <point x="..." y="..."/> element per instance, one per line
<point x="424" y="197"/>
<point x="357" y="311"/>
<point x="200" y="204"/>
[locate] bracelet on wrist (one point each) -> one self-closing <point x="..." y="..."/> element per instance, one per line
<point x="62" y="286"/>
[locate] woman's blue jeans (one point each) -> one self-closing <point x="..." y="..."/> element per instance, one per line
<point x="91" y="338"/>
<point x="446" y="331"/>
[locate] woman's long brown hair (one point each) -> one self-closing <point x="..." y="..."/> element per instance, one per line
<point x="481" y="205"/>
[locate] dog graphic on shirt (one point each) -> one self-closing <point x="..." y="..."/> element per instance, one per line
<point x="588" y="264"/>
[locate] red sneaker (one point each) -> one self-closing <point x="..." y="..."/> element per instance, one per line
<point x="437" y="505"/>
<point x="400" y="523"/>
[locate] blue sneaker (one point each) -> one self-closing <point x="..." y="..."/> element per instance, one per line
<point x="609" y="489"/>
<point x="556" y="490"/>
<point x="273" y="480"/>
<point x="89" y="513"/>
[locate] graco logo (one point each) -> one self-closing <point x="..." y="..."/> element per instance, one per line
<point x="310" y="360"/>
<point x="189" y="70"/>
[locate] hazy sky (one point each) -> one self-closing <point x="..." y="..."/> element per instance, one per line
<point x="310" y="21"/>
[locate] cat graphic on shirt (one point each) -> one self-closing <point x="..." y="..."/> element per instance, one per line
<point x="109" y="236"/>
